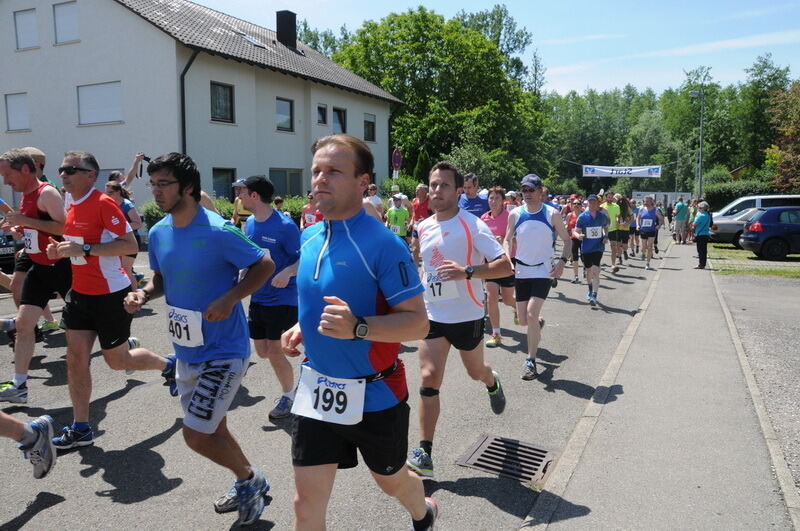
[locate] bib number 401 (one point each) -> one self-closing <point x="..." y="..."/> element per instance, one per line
<point x="178" y="331"/>
<point x="330" y="400"/>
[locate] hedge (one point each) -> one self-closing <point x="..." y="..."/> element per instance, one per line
<point x="720" y="194"/>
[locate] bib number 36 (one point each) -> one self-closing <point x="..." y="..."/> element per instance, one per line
<point x="336" y="400"/>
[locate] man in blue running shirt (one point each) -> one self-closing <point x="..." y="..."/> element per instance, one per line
<point x="591" y="229"/>
<point x="196" y="256"/>
<point x="470" y="200"/>
<point x="359" y="296"/>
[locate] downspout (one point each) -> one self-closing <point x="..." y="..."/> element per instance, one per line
<point x="183" y="100"/>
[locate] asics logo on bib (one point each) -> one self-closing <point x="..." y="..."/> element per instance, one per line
<point x="177" y="316"/>
<point x="328" y="383"/>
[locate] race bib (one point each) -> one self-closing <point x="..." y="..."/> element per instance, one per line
<point x="336" y="400"/>
<point x="648" y="222"/>
<point x="310" y="219"/>
<point x="185" y="326"/>
<point x="439" y="290"/>
<point x="31" y="241"/>
<point x="395" y="229"/>
<point x="76" y="260"/>
<point x="594" y="233"/>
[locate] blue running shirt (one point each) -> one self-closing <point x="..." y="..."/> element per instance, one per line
<point x="199" y="263"/>
<point x="477" y="206"/>
<point x="364" y="264"/>
<point x="281" y="237"/>
<point x="589" y="226"/>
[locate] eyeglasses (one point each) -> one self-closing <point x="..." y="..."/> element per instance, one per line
<point x="526" y="189"/>
<point x="71" y="170"/>
<point x="160" y="185"/>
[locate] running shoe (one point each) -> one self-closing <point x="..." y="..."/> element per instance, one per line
<point x="420" y="462"/>
<point x="45" y="325"/>
<point x="625" y="254"/>
<point x="41" y="453"/>
<point x="530" y="372"/>
<point x="228" y="502"/>
<point x="169" y="375"/>
<point x="250" y="494"/>
<point x="11" y="393"/>
<point x="656" y="249"/>
<point x="615" y="269"/>
<point x="592" y="300"/>
<point x="433" y="510"/>
<point x="133" y="342"/>
<point x="71" y="438"/>
<point x="648" y="268"/>
<point x="282" y="409"/>
<point x="494" y="341"/>
<point x="576" y="280"/>
<point x="497" y="398"/>
<point x="554" y="282"/>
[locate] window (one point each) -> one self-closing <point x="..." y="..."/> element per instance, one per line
<point x="222" y="182"/>
<point x="780" y="201"/>
<point x="369" y="127"/>
<point x="790" y="216"/>
<point x="284" y="114"/>
<point x="739" y="207"/>
<point x="17" y="117"/>
<point x="339" y="120"/>
<point x="25" y="26"/>
<point x="66" y="22"/>
<point x="287" y="181"/>
<point x="322" y="114"/>
<point x="100" y="103"/>
<point x="222" y="102"/>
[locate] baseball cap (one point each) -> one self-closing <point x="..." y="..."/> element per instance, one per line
<point x="395" y="188"/>
<point x="532" y="180"/>
<point x="259" y="184"/>
<point x="35" y="153"/>
<point x="397" y="197"/>
<point x="591" y="197"/>
<point x="239" y="183"/>
<point x="512" y="193"/>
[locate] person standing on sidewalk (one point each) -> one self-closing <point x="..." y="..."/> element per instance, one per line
<point x="358" y="298"/>
<point x="701" y="224"/>
<point x="681" y="215"/>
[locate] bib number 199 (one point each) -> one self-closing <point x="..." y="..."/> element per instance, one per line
<point x="330" y="400"/>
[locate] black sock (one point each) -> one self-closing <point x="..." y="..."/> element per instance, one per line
<point x="425" y="523"/>
<point x="427" y="446"/>
<point x="493" y="388"/>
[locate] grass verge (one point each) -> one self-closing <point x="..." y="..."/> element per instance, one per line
<point x="724" y="255"/>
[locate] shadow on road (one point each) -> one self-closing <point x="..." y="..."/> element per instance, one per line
<point x="506" y="494"/>
<point x="565" y="510"/>
<point x="243" y="399"/>
<point x="43" y="501"/>
<point x="601" y="394"/>
<point x="135" y="473"/>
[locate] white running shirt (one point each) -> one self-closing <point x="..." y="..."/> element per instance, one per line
<point x="466" y="240"/>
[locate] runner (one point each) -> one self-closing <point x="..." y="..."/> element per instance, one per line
<point x="422" y="210"/>
<point x="120" y="195"/>
<point x="612" y="211"/>
<point x="273" y="308"/>
<point x="406" y="203"/>
<point x="634" y="227"/>
<point x="649" y="220"/>
<point x="592" y="231"/>
<point x="40" y="218"/>
<point x="624" y="225"/>
<point x="95" y="236"/>
<point x="310" y="214"/>
<point x="470" y="200"/>
<point x="575" y="211"/>
<point x="358" y="298"/>
<point x="397" y="218"/>
<point x="35" y="440"/>
<point x="534" y="225"/>
<point x="497" y="221"/>
<point x="240" y="214"/>
<point x="193" y="247"/>
<point x="375" y="199"/>
<point x="458" y="250"/>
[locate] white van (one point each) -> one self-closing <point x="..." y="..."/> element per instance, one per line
<point x="756" y="201"/>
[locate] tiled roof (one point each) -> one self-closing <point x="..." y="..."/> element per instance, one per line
<point x="199" y="27"/>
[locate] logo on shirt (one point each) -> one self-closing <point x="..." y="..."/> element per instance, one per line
<point x="114" y="220"/>
<point x="342" y="263"/>
<point x="438" y="258"/>
<point x="268" y="239"/>
<point x="198" y="244"/>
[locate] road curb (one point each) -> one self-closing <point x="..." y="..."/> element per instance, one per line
<point x="784" y="476"/>
<point x="550" y="497"/>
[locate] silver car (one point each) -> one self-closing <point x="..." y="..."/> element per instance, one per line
<point x="728" y="229"/>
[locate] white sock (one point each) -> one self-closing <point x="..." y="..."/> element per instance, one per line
<point x="19" y="379"/>
<point x="289" y="394"/>
<point x="496" y="331"/>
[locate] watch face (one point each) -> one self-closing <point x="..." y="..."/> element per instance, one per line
<point x="362" y="330"/>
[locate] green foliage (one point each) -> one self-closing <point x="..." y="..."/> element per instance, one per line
<point x="325" y="41"/>
<point x="561" y="186"/>
<point x="224" y="207"/>
<point x="293" y="206"/>
<point x="407" y="184"/>
<point x="784" y="155"/>
<point x="493" y="168"/>
<point x="423" y="167"/>
<point x="717" y="174"/>
<point x="150" y="213"/>
<point x="720" y="194"/>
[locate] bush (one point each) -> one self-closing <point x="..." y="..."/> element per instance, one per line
<point x="151" y="214"/>
<point x="718" y="174"/>
<point x="408" y="186"/>
<point x="293" y="207"/>
<point x="224" y="207"/>
<point x="720" y="194"/>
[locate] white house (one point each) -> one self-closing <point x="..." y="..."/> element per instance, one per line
<point x="115" y="77"/>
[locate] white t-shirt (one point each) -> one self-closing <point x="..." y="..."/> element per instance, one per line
<point x="466" y="240"/>
<point x="376" y="201"/>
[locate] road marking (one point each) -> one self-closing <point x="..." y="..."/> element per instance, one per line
<point x="549" y="498"/>
<point x="785" y="479"/>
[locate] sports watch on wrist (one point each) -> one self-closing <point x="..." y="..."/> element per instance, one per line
<point x="87" y="248"/>
<point x="361" y="329"/>
<point x="469" y="270"/>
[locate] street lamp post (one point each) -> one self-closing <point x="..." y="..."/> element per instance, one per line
<point x="702" y="95"/>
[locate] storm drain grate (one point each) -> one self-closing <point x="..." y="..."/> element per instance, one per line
<point x="509" y="458"/>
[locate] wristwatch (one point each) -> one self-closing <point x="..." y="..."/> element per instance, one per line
<point x="469" y="270"/>
<point x="87" y="248"/>
<point x="361" y="330"/>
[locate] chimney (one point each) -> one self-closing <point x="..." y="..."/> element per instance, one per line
<point x="287" y="28"/>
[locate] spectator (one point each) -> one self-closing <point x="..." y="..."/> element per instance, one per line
<point x="701" y="224"/>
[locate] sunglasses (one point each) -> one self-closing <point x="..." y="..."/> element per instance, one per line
<point x="71" y="170"/>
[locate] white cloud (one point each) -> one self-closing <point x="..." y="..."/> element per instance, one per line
<point x="753" y="41"/>
<point x="764" y="11"/>
<point x="584" y="38"/>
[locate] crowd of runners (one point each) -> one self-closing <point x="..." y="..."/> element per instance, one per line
<point x="352" y="282"/>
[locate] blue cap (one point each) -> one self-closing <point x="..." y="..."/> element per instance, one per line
<point x="591" y="197"/>
<point x="532" y="180"/>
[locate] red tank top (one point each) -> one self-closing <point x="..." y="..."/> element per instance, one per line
<point x="36" y="241"/>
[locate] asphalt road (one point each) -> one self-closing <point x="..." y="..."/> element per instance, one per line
<point x="140" y="474"/>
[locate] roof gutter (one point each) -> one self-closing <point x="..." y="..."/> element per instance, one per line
<point x="183" y="99"/>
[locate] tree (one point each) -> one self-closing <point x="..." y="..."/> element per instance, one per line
<point x="325" y="42"/>
<point x="422" y="167"/>
<point x="785" y="154"/>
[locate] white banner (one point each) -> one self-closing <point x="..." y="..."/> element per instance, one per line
<point x="622" y="171"/>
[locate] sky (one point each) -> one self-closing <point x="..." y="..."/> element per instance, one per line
<point x="598" y="45"/>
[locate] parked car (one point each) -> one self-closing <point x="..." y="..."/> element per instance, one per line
<point x="728" y="230"/>
<point x="755" y="201"/>
<point x="7" y="249"/>
<point x="772" y="233"/>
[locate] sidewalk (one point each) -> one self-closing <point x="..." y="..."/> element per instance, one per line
<point x="682" y="447"/>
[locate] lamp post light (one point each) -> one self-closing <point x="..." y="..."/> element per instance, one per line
<point x="702" y="95"/>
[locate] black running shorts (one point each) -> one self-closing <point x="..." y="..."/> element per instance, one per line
<point x="646" y="235"/>
<point x="613" y="235"/>
<point x="528" y="288"/>
<point x="43" y="280"/>
<point x="505" y="282"/>
<point x="592" y="259"/>
<point x="104" y="314"/>
<point x="269" y="322"/>
<point x="22" y="262"/>
<point x="463" y="336"/>
<point x="381" y="437"/>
